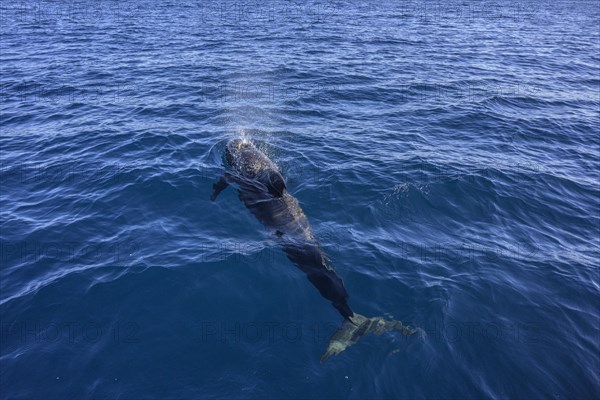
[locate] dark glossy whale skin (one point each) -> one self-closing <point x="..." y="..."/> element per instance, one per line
<point x="262" y="189"/>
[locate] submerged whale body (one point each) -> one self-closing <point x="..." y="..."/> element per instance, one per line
<point x="263" y="191"/>
<point x="261" y="187"/>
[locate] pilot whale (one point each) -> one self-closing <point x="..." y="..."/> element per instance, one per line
<point x="262" y="188"/>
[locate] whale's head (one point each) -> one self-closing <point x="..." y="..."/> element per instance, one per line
<point x="234" y="148"/>
<point x="250" y="162"/>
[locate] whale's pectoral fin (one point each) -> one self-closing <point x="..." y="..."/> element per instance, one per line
<point x="276" y="184"/>
<point x="357" y="326"/>
<point x="218" y="187"/>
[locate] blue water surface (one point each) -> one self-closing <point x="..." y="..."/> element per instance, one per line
<point x="446" y="155"/>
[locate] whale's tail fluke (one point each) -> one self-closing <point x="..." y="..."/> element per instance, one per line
<point x="356" y="327"/>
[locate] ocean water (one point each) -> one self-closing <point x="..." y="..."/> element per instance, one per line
<point x="446" y="156"/>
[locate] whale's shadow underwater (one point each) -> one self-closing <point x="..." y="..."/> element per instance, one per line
<point x="262" y="189"/>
